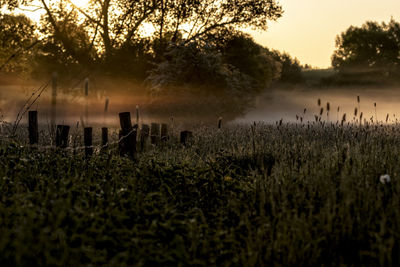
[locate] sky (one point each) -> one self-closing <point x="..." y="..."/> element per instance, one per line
<point x="308" y="28"/>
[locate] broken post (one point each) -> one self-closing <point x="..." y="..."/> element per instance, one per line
<point x="87" y="100"/>
<point x="155" y="133"/>
<point x="164" y="132"/>
<point x="144" y="136"/>
<point x="127" y="135"/>
<point x="88" y="141"/>
<point x="53" y="101"/>
<point x="185" y="137"/>
<point x="33" y="128"/>
<point x="104" y="137"/>
<point x="62" y="132"/>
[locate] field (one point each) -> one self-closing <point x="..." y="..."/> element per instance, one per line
<point x="260" y="194"/>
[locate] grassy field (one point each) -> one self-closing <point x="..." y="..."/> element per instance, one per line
<point x="291" y="194"/>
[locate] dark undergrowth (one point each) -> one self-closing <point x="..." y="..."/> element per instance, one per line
<point x="292" y="195"/>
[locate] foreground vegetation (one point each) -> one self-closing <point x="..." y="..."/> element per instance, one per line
<point x="259" y="195"/>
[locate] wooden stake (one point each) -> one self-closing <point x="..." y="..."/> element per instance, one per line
<point x="62" y="136"/>
<point x="104" y="136"/>
<point x="87" y="100"/>
<point x="164" y="132"/>
<point x="54" y="101"/>
<point x="88" y="141"/>
<point x="185" y="136"/>
<point x="33" y="128"/>
<point x="155" y="133"/>
<point x="144" y="136"/>
<point x="127" y="135"/>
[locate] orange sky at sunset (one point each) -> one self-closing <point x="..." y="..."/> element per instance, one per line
<point x="308" y="28"/>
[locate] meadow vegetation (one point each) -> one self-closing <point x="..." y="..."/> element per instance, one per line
<point x="284" y="194"/>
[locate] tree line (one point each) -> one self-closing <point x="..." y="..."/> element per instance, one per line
<point x="179" y="46"/>
<point x="368" y="54"/>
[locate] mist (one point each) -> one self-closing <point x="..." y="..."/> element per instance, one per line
<point x="286" y="104"/>
<point x="290" y="105"/>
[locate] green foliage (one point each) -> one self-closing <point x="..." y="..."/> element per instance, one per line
<point x="17" y="35"/>
<point x="233" y="72"/>
<point x="114" y="25"/>
<point x="240" y="51"/>
<point x="196" y="67"/>
<point x="291" y="71"/>
<point x="68" y="50"/>
<point x="372" y="50"/>
<point x="270" y="195"/>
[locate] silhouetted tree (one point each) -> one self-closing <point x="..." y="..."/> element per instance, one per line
<point x="115" y="25"/>
<point x="291" y="71"/>
<point x="372" y="49"/>
<point x="240" y="51"/>
<point x="17" y="40"/>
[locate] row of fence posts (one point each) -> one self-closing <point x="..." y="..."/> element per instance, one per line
<point x="128" y="135"/>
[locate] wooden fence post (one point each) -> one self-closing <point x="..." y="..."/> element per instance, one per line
<point x="33" y="128"/>
<point x="164" y="132"/>
<point x="127" y="135"/>
<point x="144" y="136"/>
<point x="104" y="137"/>
<point x="62" y="132"/>
<point x="86" y="100"/>
<point x="185" y="136"/>
<point x="54" y="101"/>
<point x="155" y="133"/>
<point x="88" y="141"/>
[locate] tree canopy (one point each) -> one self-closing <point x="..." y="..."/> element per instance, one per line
<point x="370" y="49"/>
<point x="111" y="25"/>
<point x="16" y="38"/>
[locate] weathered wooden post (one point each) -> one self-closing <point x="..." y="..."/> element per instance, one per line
<point x="127" y="135"/>
<point x="104" y="137"/>
<point x="87" y="101"/>
<point x="164" y="132"/>
<point x="155" y="133"/>
<point x="62" y="132"/>
<point x="185" y="136"/>
<point x="54" y="102"/>
<point x="33" y="128"/>
<point x="144" y="136"/>
<point x="88" y="141"/>
<point x="137" y="115"/>
<point x="106" y="103"/>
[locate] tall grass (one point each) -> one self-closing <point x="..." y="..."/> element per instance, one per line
<point x="290" y="194"/>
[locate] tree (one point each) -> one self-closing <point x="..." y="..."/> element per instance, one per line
<point x="242" y="52"/>
<point x="372" y="49"/>
<point x="291" y="71"/>
<point x="17" y="39"/>
<point x="114" y="25"/>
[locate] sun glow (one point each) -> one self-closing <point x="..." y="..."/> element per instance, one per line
<point x="80" y="3"/>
